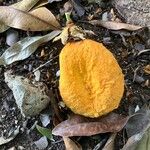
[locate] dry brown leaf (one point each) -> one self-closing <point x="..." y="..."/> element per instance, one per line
<point x="70" y="145"/>
<point x="147" y="69"/>
<point x="22" y="20"/>
<point x="115" y="25"/>
<point x="24" y="5"/>
<point x="71" y="31"/>
<point x="82" y="126"/>
<point x="44" y="14"/>
<point x="110" y="143"/>
<point x="40" y="3"/>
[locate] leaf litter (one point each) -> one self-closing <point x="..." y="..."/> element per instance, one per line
<point x="25" y="21"/>
<point x="24" y="48"/>
<point x="112" y="27"/>
<point x="24" y="5"/>
<point x="71" y="145"/>
<point x="81" y="126"/>
<point x="137" y="126"/>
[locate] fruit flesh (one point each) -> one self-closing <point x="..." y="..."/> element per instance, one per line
<point x="91" y="81"/>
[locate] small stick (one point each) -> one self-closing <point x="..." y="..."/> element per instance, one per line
<point x="143" y="51"/>
<point x="135" y="73"/>
<point x="41" y="66"/>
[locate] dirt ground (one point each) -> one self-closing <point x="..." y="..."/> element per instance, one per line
<point x="125" y="46"/>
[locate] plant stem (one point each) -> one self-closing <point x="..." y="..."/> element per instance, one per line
<point x="68" y="18"/>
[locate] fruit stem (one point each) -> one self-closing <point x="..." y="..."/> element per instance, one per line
<point x="68" y="18"/>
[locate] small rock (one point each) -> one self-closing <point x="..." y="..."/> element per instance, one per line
<point x="12" y="37"/>
<point x="137" y="108"/>
<point x="139" y="46"/>
<point x="105" y="16"/>
<point x="58" y="73"/>
<point x="42" y="143"/>
<point x="139" y="79"/>
<point x="37" y="75"/>
<point x="12" y="148"/>
<point x="45" y="119"/>
<point x="21" y="148"/>
<point x="30" y="97"/>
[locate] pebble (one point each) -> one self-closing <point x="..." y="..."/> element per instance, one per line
<point x="139" y="79"/>
<point x="12" y="37"/>
<point x="58" y="73"/>
<point x="42" y="143"/>
<point x="12" y="148"/>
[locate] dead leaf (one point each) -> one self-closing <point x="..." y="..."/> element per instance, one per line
<point x="115" y="25"/>
<point x="24" y="48"/>
<point x="63" y="36"/>
<point x="136" y="127"/>
<point x="71" y="31"/>
<point x="44" y="14"/>
<point x="110" y="143"/>
<point x="147" y="69"/>
<point x="23" y="20"/>
<point x="24" y="5"/>
<point x="70" y="145"/>
<point x="132" y="142"/>
<point x="82" y="126"/>
<point x="40" y="3"/>
<point x="51" y="1"/>
<point x="144" y="144"/>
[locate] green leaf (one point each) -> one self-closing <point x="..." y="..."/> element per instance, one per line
<point x="44" y="131"/>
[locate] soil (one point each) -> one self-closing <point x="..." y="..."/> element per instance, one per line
<point x="123" y="44"/>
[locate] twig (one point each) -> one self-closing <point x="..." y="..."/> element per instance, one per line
<point x="44" y="64"/>
<point x="143" y="51"/>
<point x="135" y="73"/>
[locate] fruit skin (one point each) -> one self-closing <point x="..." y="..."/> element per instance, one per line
<point x="91" y="81"/>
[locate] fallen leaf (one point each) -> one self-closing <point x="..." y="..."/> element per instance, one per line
<point x="70" y="145"/>
<point x="138" y="122"/>
<point x="95" y="1"/>
<point x="82" y="126"/>
<point x="24" y="5"/>
<point x="63" y="36"/>
<point x="24" y="48"/>
<point x="23" y="20"/>
<point x="136" y="127"/>
<point x="50" y="1"/>
<point x="110" y="143"/>
<point x="144" y="143"/>
<point x="114" y="25"/>
<point x="44" y="14"/>
<point x="147" y="69"/>
<point x="25" y="93"/>
<point x="40" y="3"/>
<point x="70" y="32"/>
<point x="44" y="131"/>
